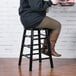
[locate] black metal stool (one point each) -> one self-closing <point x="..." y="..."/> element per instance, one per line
<point x="32" y="45"/>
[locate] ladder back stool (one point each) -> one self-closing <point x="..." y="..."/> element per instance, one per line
<point x="32" y="37"/>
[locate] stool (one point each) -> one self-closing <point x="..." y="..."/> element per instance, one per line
<point x="32" y="45"/>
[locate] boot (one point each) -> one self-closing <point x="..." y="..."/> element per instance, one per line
<point x="53" y="52"/>
<point x="44" y="48"/>
<point x="53" y="39"/>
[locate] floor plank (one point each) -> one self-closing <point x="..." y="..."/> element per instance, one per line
<point x="62" y="67"/>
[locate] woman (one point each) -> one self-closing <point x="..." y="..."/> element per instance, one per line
<point x="33" y="15"/>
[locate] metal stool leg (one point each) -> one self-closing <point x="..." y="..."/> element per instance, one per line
<point x="31" y="51"/>
<point x="49" y="50"/>
<point x="39" y="41"/>
<point x="22" y="46"/>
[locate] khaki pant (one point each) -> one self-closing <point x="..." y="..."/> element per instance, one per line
<point x="50" y="24"/>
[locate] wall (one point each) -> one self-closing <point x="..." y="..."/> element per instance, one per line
<point x="11" y="29"/>
<point x="67" y="40"/>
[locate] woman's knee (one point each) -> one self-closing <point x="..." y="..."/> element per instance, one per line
<point x="58" y="26"/>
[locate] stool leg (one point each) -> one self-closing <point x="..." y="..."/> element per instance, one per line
<point x="39" y="42"/>
<point x="22" y="46"/>
<point x="31" y="51"/>
<point x="49" y="50"/>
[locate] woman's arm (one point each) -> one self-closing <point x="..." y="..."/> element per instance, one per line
<point x="39" y="5"/>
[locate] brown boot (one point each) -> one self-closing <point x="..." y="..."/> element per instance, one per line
<point x="45" y="46"/>
<point x="53" y="39"/>
<point x="44" y="49"/>
<point x="53" y="52"/>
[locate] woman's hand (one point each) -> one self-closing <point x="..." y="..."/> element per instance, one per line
<point x="55" y="2"/>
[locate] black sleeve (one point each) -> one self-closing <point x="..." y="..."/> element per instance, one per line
<point x="39" y="5"/>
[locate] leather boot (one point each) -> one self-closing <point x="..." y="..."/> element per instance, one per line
<point x="53" y="52"/>
<point x="53" y="39"/>
<point x="44" y="49"/>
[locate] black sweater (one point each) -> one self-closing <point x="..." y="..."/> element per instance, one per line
<point x="32" y="12"/>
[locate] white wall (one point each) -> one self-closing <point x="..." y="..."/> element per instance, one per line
<point x="67" y="40"/>
<point x="11" y="29"/>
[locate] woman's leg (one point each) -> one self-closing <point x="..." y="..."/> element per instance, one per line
<point x="56" y="27"/>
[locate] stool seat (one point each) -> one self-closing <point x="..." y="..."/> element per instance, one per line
<point x="34" y="37"/>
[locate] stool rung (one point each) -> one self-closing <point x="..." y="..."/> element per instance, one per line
<point x="36" y="49"/>
<point x="41" y="59"/>
<point x="31" y="45"/>
<point x="29" y="54"/>
<point x="40" y="48"/>
<point x="34" y="35"/>
<point x="30" y="35"/>
<point x="43" y="34"/>
<point x="27" y="46"/>
<point x="38" y="38"/>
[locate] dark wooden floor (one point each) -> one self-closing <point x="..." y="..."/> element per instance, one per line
<point x="62" y="67"/>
